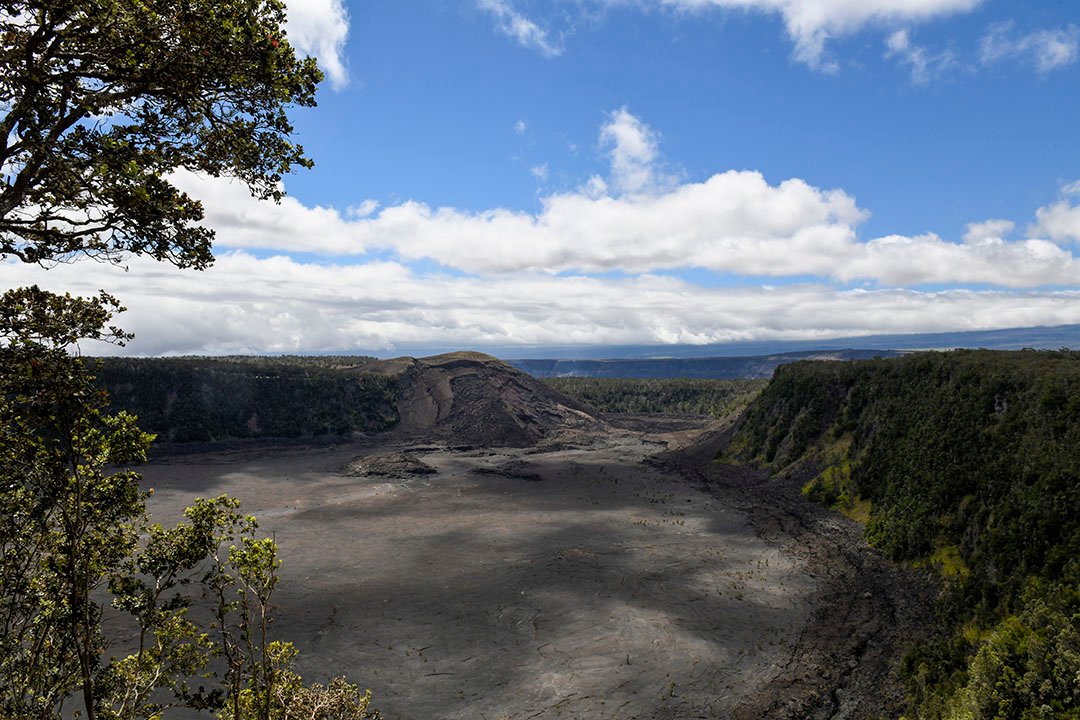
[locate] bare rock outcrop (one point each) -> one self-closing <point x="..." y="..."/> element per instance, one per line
<point x="472" y="399"/>
<point x="392" y="465"/>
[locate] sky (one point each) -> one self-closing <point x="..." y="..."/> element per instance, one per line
<point x="532" y="173"/>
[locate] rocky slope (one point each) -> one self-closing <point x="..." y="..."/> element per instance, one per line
<point x="474" y="399"/>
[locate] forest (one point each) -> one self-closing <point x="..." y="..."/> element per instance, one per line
<point x="197" y="399"/>
<point x="673" y="396"/>
<point x="966" y="462"/>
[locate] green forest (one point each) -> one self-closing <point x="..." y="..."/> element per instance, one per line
<point x="674" y="396"/>
<point x="967" y="462"/>
<point x="196" y="399"/>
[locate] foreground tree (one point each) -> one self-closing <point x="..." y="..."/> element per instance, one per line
<point x="100" y="102"/>
<point x="102" y="99"/>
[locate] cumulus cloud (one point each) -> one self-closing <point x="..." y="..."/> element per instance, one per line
<point x="640" y="221"/>
<point x="988" y="230"/>
<point x="243" y="222"/>
<point x="633" y="149"/>
<point x="1060" y="221"/>
<point x="733" y="222"/>
<point x="983" y="258"/>
<point x="520" y="28"/>
<point x="247" y="304"/>
<point x="812" y="23"/>
<point x="531" y="277"/>
<point x="1046" y="49"/>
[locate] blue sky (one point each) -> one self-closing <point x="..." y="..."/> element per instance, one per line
<point x="437" y="90"/>
<point x="590" y="172"/>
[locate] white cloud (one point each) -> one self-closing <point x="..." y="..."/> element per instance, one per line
<point x="540" y="172"/>
<point x="364" y="209"/>
<point x="519" y="277"/>
<point x="1059" y="221"/>
<point x="983" y="258"/>
<point x="1046" y="49"/>
<point x="246" y="304"/>
<point x="520" y="127"/>
<point x="924" y="65"/>
<point x="988" y="230"/>
<point x="812" y="23"/>
<point x="595" y="188"/>
<point x="633" y="149"/>
<point x="243" y="222"/>
<point x="733" y="222"/>
<point x="520" y="28"/>
<point x="320" y="28"/>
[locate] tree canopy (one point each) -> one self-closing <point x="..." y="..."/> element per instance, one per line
<point x="102" y="99"/>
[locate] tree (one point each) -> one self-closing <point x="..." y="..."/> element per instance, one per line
<point x="100" y="102"/>
<point x="64" y="520"/>
<point x="103" y="99"/>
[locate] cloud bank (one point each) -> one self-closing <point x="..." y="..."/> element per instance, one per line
<point x="599" y="264"/>
<point x="246" y="304"/>
<point x="640" y="220"/>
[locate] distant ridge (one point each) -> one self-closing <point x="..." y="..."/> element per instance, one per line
<point x="702" y="368"/>
<point x="1040" y="338"/>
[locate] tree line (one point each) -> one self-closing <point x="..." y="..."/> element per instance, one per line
<point x="678" y="396"/>
<point x="198" y="399"/>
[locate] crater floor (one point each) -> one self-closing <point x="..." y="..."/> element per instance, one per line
<point x="572" y="581"/>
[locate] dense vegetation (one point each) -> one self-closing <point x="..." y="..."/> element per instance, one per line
<point x="669" y="396"/>
<point x="201" y="399"/>
<point x="101" y="104"/>
<point x="968" y="461"/>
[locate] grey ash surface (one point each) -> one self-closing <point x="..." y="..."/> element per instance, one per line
<point x="613" y="586"/>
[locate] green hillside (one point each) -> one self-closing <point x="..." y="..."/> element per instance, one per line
<point x="968" y="461"/>
<point x="202" y="399"/>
